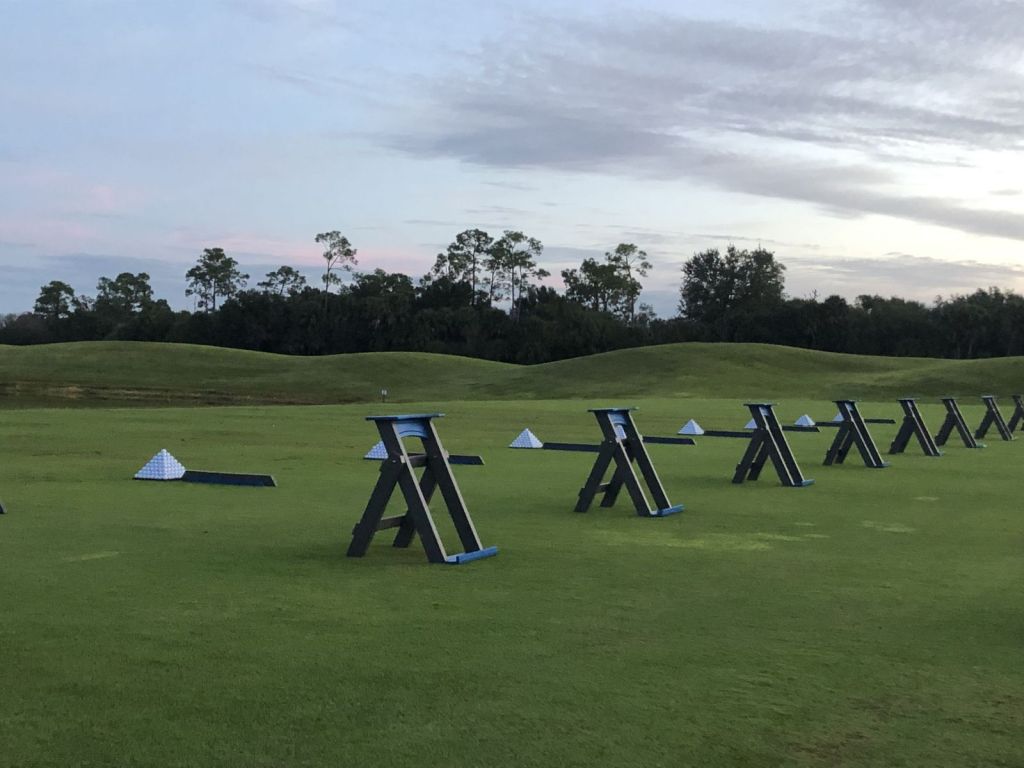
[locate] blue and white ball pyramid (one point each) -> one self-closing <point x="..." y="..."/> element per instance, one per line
<point x="526" y="439"/>
<point x="377" y="452"/>
<point x="691" y="428"/>
<point x="163" y="466"/>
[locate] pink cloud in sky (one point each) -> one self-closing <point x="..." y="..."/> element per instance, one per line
<point x="89" y="198"/>
<point x="246" y="244"/>
<point x="104" y="198"/>
<point x="414" y="263"/>
<point x="48" y="233"/>
<point x="304" y="253"/>
<point x="57" y="190"/>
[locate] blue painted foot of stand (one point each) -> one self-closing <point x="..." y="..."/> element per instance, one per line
<point x="668" y="511"/>
<point x="468" y="557"/>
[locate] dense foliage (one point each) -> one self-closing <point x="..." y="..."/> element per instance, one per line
<point x="481" y="299"/>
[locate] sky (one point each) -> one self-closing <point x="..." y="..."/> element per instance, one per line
<point x="874" y="145"/>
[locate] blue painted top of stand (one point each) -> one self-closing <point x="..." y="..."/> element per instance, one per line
<point x="406" y="417"/>
<point x="611" y="410"/>
<point x="759" y="405"/>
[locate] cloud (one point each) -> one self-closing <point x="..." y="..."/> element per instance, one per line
<point x="26" y="231"/>
<point x="757" y="241"/>
<point x="16" y="244"/>
<point x="319" y="84"/>
<point x="513" y="185"/>
<point x="22" y="280"/>
<point x="559" y="257"/>
<point x="995" y="23"/>
<point x="897" y="274"/>
<point x="431" y="222"/>
<point x="830" y="114"/>
<point x="324" y="86"/>
<point x="317" y="13"/>
<point x="497" y="210"/>
<point x="247" y="245"/>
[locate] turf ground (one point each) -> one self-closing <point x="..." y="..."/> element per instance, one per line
<point x="873" y="619"/>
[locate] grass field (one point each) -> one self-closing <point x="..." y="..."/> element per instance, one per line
<point x="873" y="619"/>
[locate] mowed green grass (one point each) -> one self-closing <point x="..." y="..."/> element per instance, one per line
<point x="873" y="619"/>
<point x="120" y="373"/>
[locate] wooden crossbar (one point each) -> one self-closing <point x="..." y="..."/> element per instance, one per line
<point x="838" y="424"/>
<point x="589" y="448"/>
<point x="746" y="434"/>
<point x="420" y="460"/>
<point x="228" y="478"/>
<point x="576" y="447"/>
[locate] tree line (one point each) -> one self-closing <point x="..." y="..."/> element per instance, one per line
<point x="483" y="298"/>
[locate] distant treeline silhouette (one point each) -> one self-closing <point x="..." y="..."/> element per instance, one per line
<point x="481" y="299"/>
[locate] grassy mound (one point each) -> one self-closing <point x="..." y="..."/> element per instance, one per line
<point x="154" y="374"/>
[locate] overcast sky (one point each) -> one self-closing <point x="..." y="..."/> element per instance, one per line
<point x="874" y="145"/>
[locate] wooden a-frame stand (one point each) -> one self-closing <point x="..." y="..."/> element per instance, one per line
<point x="853" y="431"/>
<point x="1017" y="419"/>
<point x="623" y="446"/>
<point x="955" y="420"/>
<point x="913" y="426"/>
<point x="398" y="470"/>
<point x="993" y="417"/>
<point x="768" y="441"/>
